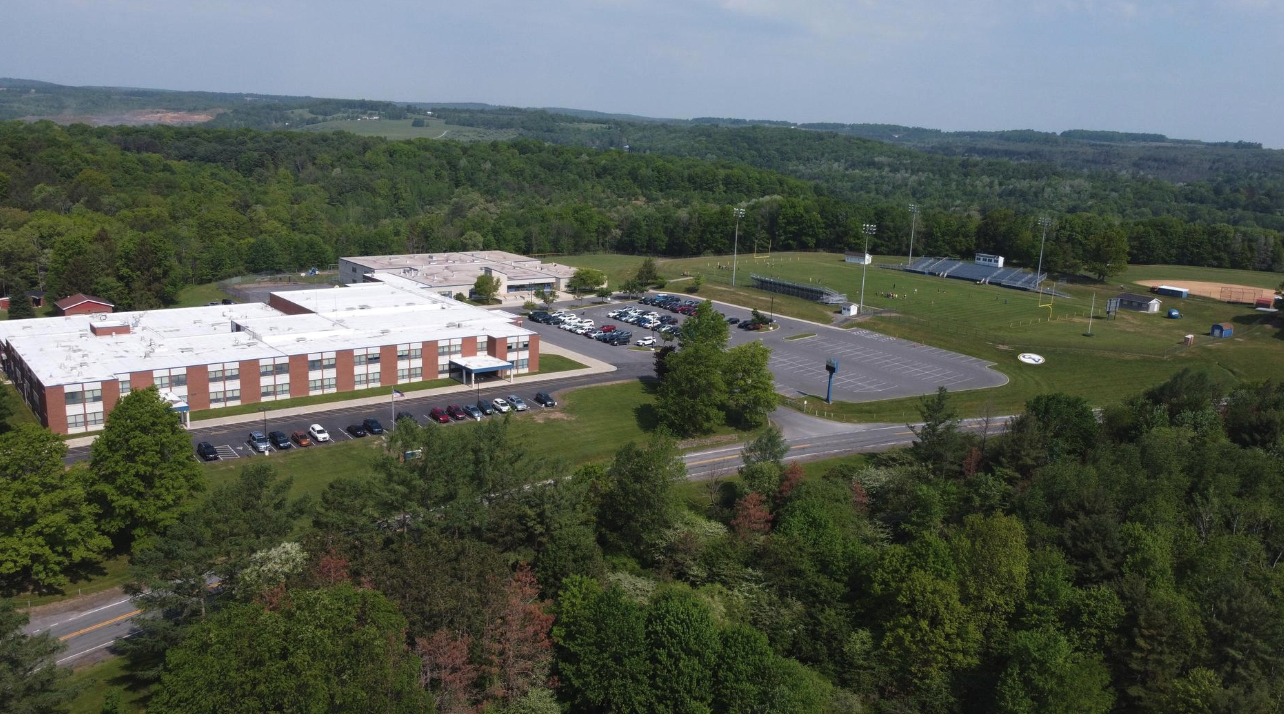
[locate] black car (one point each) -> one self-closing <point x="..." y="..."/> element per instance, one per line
<point x="545" y="399"/>
<point x="206" y="451"/>
<point x="486" y="407"/>
<point x="229" y="301"/>
<point x="279" y="440"/>
<point x="733" y="320"/>
<point x="372" y="426"/>
<point x="407" y="415"/>
<point x="356" y="430"/>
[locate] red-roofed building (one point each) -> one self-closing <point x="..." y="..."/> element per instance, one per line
<point x="82" y="304"/>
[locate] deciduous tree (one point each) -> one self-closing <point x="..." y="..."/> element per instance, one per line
<point x="751" y="388"/>
<point x="485" y="287"/>
<point x="30" y="681"/>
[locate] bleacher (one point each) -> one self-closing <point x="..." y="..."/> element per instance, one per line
<point x="987" y="274"/>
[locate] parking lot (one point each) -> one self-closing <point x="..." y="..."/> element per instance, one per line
<point x="232" y="442"/>
<point x="872" y="366"/>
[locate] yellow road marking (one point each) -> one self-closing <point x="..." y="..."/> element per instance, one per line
<point x="709" y="461"/>
<point x="104" y="623"/>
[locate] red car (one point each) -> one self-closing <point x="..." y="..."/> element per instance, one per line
<point x="456" y="412"/>
<point x="439" y="415"/>
<point x="608" y="328"/>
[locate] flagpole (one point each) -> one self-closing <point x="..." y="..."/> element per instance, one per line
<point x="392" y="407"/>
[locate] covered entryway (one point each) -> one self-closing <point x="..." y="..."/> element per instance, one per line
<point x="471" y="370"/>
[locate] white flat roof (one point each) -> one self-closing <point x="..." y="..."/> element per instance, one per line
<point x="62" y="350"/>
<point x="461" y="269"/>
<point x="480" y="362"/>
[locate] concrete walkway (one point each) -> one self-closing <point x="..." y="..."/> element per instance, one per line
<point x="592" y="366"/>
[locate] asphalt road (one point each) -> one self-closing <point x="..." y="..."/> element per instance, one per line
<point x="89" y="630"/>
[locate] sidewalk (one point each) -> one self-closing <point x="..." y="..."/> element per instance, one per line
<point x="592" y="366"/>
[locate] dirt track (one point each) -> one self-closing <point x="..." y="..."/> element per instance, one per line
<point x="1234" y="293"/>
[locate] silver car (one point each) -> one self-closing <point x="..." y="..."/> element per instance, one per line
<point x="517" y="402"/>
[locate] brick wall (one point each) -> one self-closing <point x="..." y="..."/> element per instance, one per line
<point x="250" y="382"/>
<point x="198" y="387"/>
<point x="111" y="395"/>
<point x="55" y="404"/>
<point x="143" y="380"/>
<point x="343" y="371"/>
<point x="285" y="306"/>
<point x="388" y="365"/>
<point x="497" y="347"/>
<point x="299" y="375"/>
<point x="534" y="354"/>
<point x="468" y="347"/>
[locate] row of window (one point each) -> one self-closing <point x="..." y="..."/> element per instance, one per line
<point x="231" y="395"/>
<point x="360" y="360"/>
<point x="267" y="370"/>
<point x="89" y="395"/>
<point x="521" y="364"/>
<point x="230" y="375"/>
<point x="275" y="390"/>
<point x="319" y="364"/>
<point x="445" y="348"/>
<point x="317" y="385"/>
<point x="408" y="354"/>
<point x="362" y="381"/>
<point x="412" y="374"/>
<point x="75" y="421"/>
<point x="166" y="381"/>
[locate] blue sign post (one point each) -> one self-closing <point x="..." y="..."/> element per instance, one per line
<point x="831" y="366"/>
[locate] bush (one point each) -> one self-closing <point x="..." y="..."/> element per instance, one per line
<point x="417" y="123"/>
<point x="529" y="306"/>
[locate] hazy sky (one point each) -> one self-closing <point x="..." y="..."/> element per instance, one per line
<point x="1206" y="69"/>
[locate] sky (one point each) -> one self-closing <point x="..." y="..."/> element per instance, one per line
<point x="1193" y="69"/>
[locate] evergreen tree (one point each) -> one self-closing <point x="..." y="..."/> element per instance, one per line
<point x="30" y="681"/>
<point x="938" y="443"/>
<point x="20" y="307"/>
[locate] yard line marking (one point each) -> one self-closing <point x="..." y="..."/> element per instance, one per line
<point x="104" y="623"/>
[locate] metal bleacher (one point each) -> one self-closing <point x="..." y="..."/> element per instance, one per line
<point x="816" y="293"/>
<point x="988" y="274"/>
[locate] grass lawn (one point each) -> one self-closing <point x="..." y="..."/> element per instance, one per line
<point x="312" y="468"/>
<point x="199" y="295"/>
<point x="99" y="679"/>
<point x="801" y="336"/>
<point x="1125" y="355"/>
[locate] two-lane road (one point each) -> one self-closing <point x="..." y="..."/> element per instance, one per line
<point x="89" y="630"/>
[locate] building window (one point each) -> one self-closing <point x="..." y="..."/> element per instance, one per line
<point x="216" y="398"/>
<point x="358" y="360"/>
<point x="450" y="348"/>
<point x="416" y="352"/>
<point x="282" y="390"/>
<point x="216" y="375"/>
<point x="265" y="370"/>
<point x="124" y="387"/>
<point x="314" y="365"/>
<point x="403" y="375"/>
<point x="327" y="363"/>
<point x="162" y="382"/>
<point x="233" y="395"/>
<point x="372" y="359"/>
<point x="314" y="385"/>
<point x="74" y="397"/>
<point x="179" y="380"/>
<point x="443" y="370"/>
<point x="358" y="380"/>
<point x="373" y="380"/>
<point x="329" y="383"/>
<point x="281" y="369"/>
<point x="75" y="421"/>
<point x="93" y="395"/>
<point x="521" y="364"/>
<point x="403" y="354"/>
<point x="267" y="391"/>
<point x="234" y="374"/>
<point x="95" y="418"/>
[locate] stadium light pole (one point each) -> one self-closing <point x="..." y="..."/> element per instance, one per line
<point x="868" y="229"/>
<point x="913" y="209"/>
<point x="735" y="251"/>
<point x="1038" y="275"/>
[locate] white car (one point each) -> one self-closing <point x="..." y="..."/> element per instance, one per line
<point x="501" y="406"/>
<point x="646" y="342"/>
<point x="517" y="402"/>
<point x="318" y="433"/>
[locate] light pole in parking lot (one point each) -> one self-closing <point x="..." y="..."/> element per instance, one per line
<point x="1045" y="222"/>
<point x="913" y="209"/>
<point x="868" y="229"/>
<point x="735" y="250"/>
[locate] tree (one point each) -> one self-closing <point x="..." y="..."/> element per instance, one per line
<point x="762" y="457"/>
<point x="930" y="632"/>
<point x="334" y="649"/>
<point x="530" y="306"/>
<point x="30" y="681"/>
<point x="752" y="518"/>
<point x="697" y="282"/>
<point x="586" y="280"/>
<point x="1045" y="674"/>
<point x="683" y="642"/>
<point x="143" y="467"/>
<point x="602" y="649"/>
<point x="639" y="501"/>
<point x="693" y="392"/>
<point x="515" y="641"/>
<point x="751" y="388"/>
<point x="633" y="286"/>
<point x="938" y="443"/>
<point x="1106" y="254"/>
<point x="705" y="327"/>
<point x="993" y="563"/>
<point x="548" y="296"/>
<point x="73" y="266"/>
<point x="485" y="287"/>
<point x="603" y="293"/>
<point x="48" y="520"/>
<point x="20" y="307"/>
<point x="648" y="274"/>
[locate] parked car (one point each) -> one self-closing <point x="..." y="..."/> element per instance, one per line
<point x="456" y="412"/>
<point x="501" y="406"/>
<point x="279" y="440"/>
<point x="646" y="342"/>
<point x="733" y="320"/>
<point x="206" y="451"/>
<point x="517" y="402"/>
<point x="486" y="408"/>
<point x="545" y="399"/>
<point x="372" y="426"/>
<point x="356" y="430"/>
<point x="229" y="301"/>
<point x="407" y="415"/>
<point x="473" y="412"/>
<point x="318" y="433"/>
<point x="608" y="328"/>
<point x="301" y="438"/>
<point x="439" y="415"/>
<point x="258" y="442"/>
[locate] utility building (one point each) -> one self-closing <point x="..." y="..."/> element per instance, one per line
<point x="450" y="274"/>
<point x="1138" y="303"/>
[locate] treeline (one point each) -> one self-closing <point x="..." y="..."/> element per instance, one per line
<point x="1126" y="563"/>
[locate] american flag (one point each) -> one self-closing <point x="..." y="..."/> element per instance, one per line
<point x="397" y="394"/>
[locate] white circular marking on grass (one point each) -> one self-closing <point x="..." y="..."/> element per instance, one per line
<point x="1031" y="358"/>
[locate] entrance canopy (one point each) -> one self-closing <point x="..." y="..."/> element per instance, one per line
<point x="466" y="369"/>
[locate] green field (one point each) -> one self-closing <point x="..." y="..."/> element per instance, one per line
<point x="1124" y="355"/>
<point x="401" y="129"/>
<point x="99" y="679"/>
<point x="199" y="295"/>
